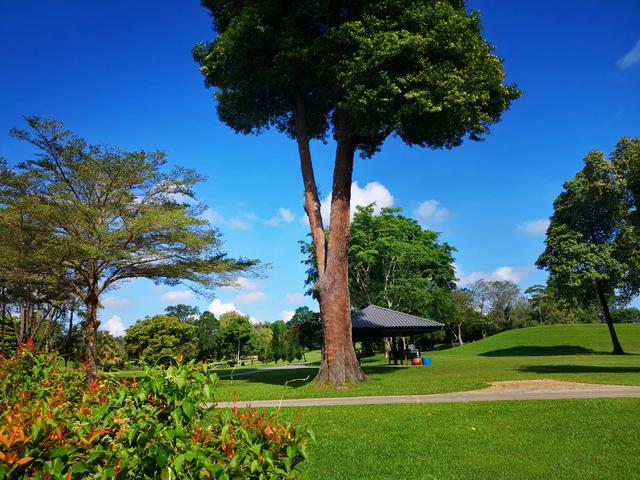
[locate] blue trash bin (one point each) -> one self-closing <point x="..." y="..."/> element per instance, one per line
<point x="426" y="361"/>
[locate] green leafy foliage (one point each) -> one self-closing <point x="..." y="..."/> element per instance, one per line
<point x="111" y="351"/>
<point x="593" y="241"/>
<point x="418" y="69"/>
<point x="53" y="425"/>
<point x="159" y="338"/>
<point x="85" y="218"/>
<point x="395" y="263"/>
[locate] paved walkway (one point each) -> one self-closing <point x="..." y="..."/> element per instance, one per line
<point x="498" y="391"/>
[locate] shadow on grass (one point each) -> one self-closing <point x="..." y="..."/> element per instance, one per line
<point x="577" y="369"/>
<point x="299" y="377"/>
<point x="279" y="377"/>
<point x="538" y="351"/>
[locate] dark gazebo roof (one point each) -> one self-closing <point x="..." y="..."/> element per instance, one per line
<point x="379" y="321"/>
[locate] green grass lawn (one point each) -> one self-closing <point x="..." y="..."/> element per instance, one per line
<point x="558" y="439"/>
<point x="312" y="357"/>
<point x="576" y="352"/>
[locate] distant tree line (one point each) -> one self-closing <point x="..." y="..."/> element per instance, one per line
<point x="395" y="263"/>
<point x="232" y="339"/>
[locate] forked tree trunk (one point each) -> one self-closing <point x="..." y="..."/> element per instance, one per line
<point x="617" y="348"/>
<point x="91" y="332"/>
<point x="339" y="363"/>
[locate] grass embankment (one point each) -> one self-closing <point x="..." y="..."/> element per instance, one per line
<point x="578" y="353"/>
<point x="560" y="439"/>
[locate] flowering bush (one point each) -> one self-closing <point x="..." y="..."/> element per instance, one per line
<point x="55" y="425"/>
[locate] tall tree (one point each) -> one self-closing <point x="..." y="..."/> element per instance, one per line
<point x="358" y="71"/>
<point x="462" y="314"/>
<point x="592" y="245"/>
<point x="395" y="263"/>
<point x="184" y="312"/>
<point x="160" y="338"/>
<point x="235" y="332"/>
<point x="98" y="216"/>
<point x="207" y="329"/>
<point x="306" y="325"/>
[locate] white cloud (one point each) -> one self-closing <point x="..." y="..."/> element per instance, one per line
<point x="177" y="295"/>
<point x="250" y="297"/>
<point x="631" y="58"/>
<point x="284" y="215"/>
<point x="241" y="283"/>
<point x="218" y="308"/>
<point x="113" y="302"/>
<point x="115" y="326"/>
<point x="211" y="216"/>
<point x="430" y="211"/>
<point x="373" y="192"/>
<point x="534" y="228"/>
<point x="500" y="274"/>
<point x="294" y="297"/>
<point x="239" y="222"/>
<point x="287" y="315"/>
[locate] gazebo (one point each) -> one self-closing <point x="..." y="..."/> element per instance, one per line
<point x="379" y="322"/>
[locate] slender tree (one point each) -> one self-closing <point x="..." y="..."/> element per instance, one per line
<point x="358" y="71"/>
<point x="97" y="216"/>
<point x="592" y="245"/>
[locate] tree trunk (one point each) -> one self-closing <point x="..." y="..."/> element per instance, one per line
<point x="460" y="342"/>
<point x="91" y="332"/>
<point x="617" y="348"/>
<point x="311" y="199"/>
<point x="339" y="363"/>
<point x="26" y="321"/>
<point x="67" y="340"/>
<point x="3" y="319"/>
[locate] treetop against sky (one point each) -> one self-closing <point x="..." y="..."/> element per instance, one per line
<point x="121" y="73"/>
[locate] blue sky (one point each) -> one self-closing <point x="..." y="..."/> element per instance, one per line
<point x="121" y="73"/>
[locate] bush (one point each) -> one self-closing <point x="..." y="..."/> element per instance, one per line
<point x="55" y="425"/>
<point x="158" y="338"/>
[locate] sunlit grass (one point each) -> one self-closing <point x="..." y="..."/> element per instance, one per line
<point x="578" y="353"/>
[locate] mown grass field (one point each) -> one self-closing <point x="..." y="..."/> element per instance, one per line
<point x="578" y="353"/>
<point x="556" y="439"/>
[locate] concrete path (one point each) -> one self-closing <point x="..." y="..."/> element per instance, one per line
<point x="498" y="391"/>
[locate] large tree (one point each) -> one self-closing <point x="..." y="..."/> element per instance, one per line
<point x="97" y="216"/>
<point x="357" y="71"/>
<point x="395" y="263"/>
<point x="592" y="245"/>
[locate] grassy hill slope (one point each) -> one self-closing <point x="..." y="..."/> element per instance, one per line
<point x="590" y="338"/>
<point x="577" y="353"/>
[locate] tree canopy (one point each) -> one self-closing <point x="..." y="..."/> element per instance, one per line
<point x="86" y="217"/>
<point x="395" y="263"/>
<point x="358" y="71"/>
<point x="161" y="338"/>
<point x="420" y="69"/>
<point x="592" y="246"/>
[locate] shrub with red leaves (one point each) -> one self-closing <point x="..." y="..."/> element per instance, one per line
<point x="55" y="425"/>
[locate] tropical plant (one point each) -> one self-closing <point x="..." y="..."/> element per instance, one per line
<point x="53" y="425"/>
